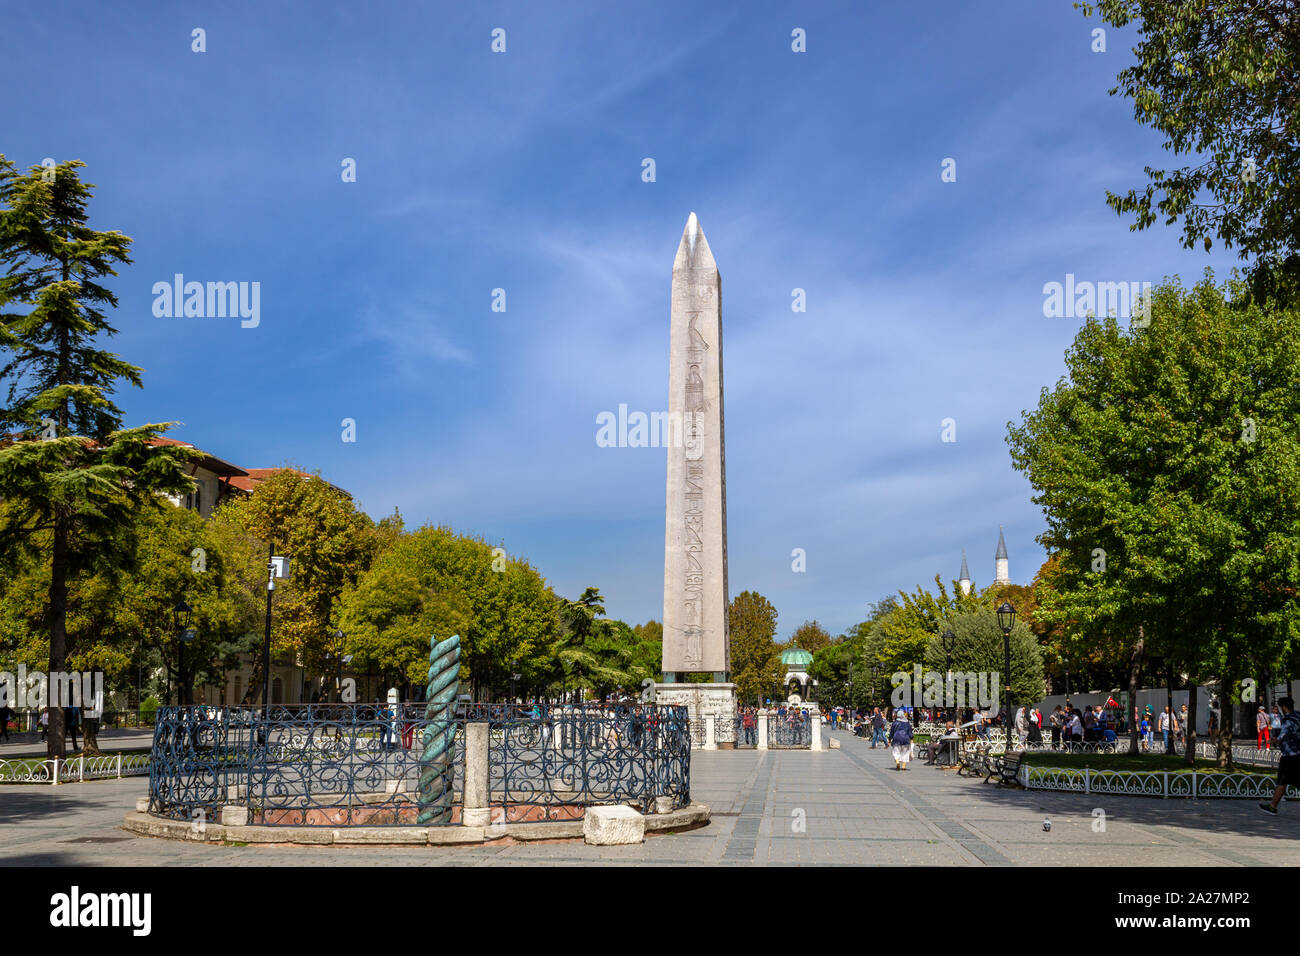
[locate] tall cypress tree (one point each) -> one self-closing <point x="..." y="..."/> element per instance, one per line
<point x="72" y="477"/>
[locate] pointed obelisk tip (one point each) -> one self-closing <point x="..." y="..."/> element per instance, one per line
<point x="694" y="252"/>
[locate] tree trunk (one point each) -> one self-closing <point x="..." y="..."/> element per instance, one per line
<point x="1189" y="732"/>
<point x="57" y="744"/>
<point x="1134" y="671"/>
<point x="254" y="681"/>
<point x="90" y="737"/>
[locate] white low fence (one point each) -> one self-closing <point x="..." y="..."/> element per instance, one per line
<point x="55" y="771"/>
<point x="1150" y="783"/>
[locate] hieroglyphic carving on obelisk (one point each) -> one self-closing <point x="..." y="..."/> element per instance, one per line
<point x="695" y="546"/>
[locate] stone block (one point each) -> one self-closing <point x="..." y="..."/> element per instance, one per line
<point x="555" y="830"/>
<point x="234" y="816"/>
<point x="612" y="826"/>
<point x="141" y="804"/>
<point x="381" y="835"/>
<point x="443" y="836"/>
<point x="476" y="817"/>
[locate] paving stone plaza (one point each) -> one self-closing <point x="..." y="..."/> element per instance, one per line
<point x="840" y="807"/>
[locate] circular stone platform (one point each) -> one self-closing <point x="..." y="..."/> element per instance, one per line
<point x="146" y="824"/>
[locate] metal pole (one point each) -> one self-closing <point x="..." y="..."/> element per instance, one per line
<point x="266" y="648"/>
<point x="1006" y="648"/>
<point x="948" y="661"/>
<point x="180" y="697"/>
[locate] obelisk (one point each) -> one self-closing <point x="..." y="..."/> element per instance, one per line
<point x="696" y="636"/>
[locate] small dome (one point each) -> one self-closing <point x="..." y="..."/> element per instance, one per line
<point x="796" y="658"/>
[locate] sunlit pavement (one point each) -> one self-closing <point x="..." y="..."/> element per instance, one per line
<point x="845" y="806"/>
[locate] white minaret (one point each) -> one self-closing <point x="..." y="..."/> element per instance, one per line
<point x="1001" y="576"/>
<point x="964" y="581"/>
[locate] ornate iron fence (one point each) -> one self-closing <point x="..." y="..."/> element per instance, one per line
<point x="791" y="731"/>
<point x="551" y="765"/>
<point x="350" y="765"/>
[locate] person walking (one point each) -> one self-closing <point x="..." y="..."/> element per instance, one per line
<point x="900" y="738"/>
<point x="1035" y="726"/>
<point x="1262" y="726"/>
<point x="44" y="722"/>
<point x="384" y="717"/>
<point x="1288" y="765"/>
<point x="1166" y="726"/>
<point x="1056" y="721"/>
<point x="71" y="719"/>
<point x="877" y="728"/>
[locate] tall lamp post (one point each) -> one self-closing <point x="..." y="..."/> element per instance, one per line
<point x="1006" y="620"/>
<point x="182" y="614"/>
<point x="276" y="567"/>
<point x="949" y="641"/>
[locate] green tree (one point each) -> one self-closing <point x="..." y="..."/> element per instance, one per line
<point x="1166" y="465"/>
<point x="650" y="631"/>
<point x="979" y="648"/>
<point x="437" y="582"/>
<point x="166" y="571"/>
<point x="330" y="544"/>
<point x="755" y="659"/>
<point x="75" y="478"/>
<point x="842" y="674"/>
<point x="811" y="636"/>
<point x="1217" y="78"/>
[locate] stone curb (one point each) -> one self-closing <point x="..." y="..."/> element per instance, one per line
<point x="146" y="824"/>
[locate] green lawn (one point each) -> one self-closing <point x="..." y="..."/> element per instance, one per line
<point x="1103" y="761"/>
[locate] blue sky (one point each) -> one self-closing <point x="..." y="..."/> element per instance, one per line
<point x="522" y="170"/>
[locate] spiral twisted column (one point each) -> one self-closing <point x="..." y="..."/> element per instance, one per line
<point x="437" y="759"/>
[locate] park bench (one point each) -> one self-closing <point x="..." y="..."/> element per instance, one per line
<point x="1006" y="768"/>
<point x="972" y="759"/>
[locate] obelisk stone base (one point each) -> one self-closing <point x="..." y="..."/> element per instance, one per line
<point x="699" y="699"/>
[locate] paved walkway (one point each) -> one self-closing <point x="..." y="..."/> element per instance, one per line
<point x="31" y="745"/>
<point x="846" y="806"/>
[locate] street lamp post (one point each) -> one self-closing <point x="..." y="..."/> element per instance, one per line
<point x="1006" y="620"/>
<point x="949" y="641"/>
<point x="276" y="567"/>
<point x="182" y="614"/>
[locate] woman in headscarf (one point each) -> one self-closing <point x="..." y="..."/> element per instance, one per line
<point x="900" y="738"/>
